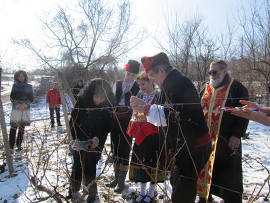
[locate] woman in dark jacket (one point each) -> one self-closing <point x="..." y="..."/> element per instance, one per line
<point x="21" y="97"/>
<point x="91" y="120"/>
<point x="77" y="88"/>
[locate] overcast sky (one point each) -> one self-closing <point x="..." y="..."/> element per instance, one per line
<point x="18" y="18"/>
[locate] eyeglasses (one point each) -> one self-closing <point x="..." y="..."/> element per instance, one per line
<point x="213" y="72"/>
<point x="150" y="75"/>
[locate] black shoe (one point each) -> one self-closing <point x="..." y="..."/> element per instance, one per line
<point x="141" y="199"/>
<point x="19" y="149"/>
<point x="69" y="196"/>
<point x="72" y="195"/>
<point x="202" y="200"/>
<point x="210" y="198"/>
<point x="112" y="184"/>
<point x="115" y="181"/>
<point x="91" y="199"/>
<point x="119" y="190"/>
<point x="52" y="126"/>
<point x="149" y="198"/>
<point x="59" y="124"/>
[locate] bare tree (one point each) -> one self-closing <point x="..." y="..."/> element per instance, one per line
<point x="180" y="42"/>
<point x="204" y="53"/>
<point x="96" y="33"/>
<point x="190" y="48"/>
<point x="255" y="44"/>
<point x="227" y="42"/>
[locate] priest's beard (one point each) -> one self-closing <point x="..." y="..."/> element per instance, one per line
<point x="215" y="82"/>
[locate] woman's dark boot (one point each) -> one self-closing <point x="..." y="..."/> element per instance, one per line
<point x="12" y="136"/>
<point x="92" y="193"/>
<point x="115" y="181"/>
<point x="121" y="181"/>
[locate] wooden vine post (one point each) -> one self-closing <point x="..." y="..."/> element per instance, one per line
<point x="62" y="87"/>
<point x="66" y="87"/>
<point x="5" y="134"/>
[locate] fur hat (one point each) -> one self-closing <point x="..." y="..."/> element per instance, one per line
<point x="132" y="66"/>
<point x="18" y="72"/>
<point x="149" y="62"/>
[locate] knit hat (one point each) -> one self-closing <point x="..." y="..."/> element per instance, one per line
<point x="132" y="66"/>
<point x="149" y="62"/>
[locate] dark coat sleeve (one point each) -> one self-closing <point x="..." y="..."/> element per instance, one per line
<point x="88" y="123"/>
<point x="76" y="121"/>
<point x="13" y="97"/>
<point x="185" y="116"/>
<point x="103" y="125"/>
<point x="29" y="94"/>
<point x="233" y="125"/>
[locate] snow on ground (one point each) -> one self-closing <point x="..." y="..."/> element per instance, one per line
<point x="46" y="158"/>
<point x="256" y="159"/>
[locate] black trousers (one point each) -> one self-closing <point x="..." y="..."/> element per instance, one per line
<point x="57" y="112"/>
<point x="121" y="142"/>
<point x="12" y="136"/>
<point x="227" y="180"/>
<point x="84" y="167"/>
<point x="184" y="189"/>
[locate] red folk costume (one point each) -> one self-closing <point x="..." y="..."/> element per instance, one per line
<point x="211" y="100"/>
<point x="138" y="127"/>
<point x="145" y="165"/>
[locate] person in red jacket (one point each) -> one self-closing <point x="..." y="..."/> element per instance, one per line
<point x="54" y="101"/>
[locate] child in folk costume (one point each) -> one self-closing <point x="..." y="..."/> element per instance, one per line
<point x="91" y="120"/>
<point x="120" y="141"/>
<point x="145" y="161"/>
<point x="21" y="97"/>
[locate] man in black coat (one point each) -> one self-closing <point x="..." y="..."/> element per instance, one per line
<point x="226" y="131"/>
<point x="180" y="117"/>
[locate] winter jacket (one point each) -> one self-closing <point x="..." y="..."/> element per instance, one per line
<point x="86" y="124"/>
<point x="185" y="119"/>
<point x="53" y="98"/>
<point x="186" y="133"/>
<point x="21" y="94"/>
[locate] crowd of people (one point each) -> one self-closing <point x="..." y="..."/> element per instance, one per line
<point x="175" y="129"/>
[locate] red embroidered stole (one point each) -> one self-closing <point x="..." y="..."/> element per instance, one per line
<point x="211" y="100"/>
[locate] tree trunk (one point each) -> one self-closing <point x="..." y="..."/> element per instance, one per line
<point x="64" y="104"/>
<point x="66" y="87"/>
<point x="5" y="134"/>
